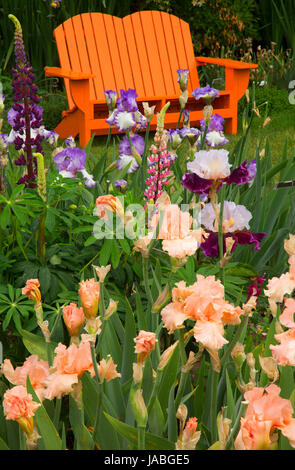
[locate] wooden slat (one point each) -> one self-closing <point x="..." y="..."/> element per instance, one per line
<point x="92" y="53"/>
<point x="133" y="55"/>
<point x="189" y="49"/>
<point x="169" y="78"/>
<point x="64" y="59"/>
<point x="103" y="52"/>
<point x="152" y="48"/>
<point x="82" y="50"/>
<point x="123" y="53"/>
<point x="180" y="50"/>
<point x="72" y="46"/>
<point x="142" y="54"/>
<point x="170" y="41"/>
<point x="113" y="47"/>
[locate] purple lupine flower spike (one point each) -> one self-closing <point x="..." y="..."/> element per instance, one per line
<point x="183" y="78"/>
<point x="26" y="117"/>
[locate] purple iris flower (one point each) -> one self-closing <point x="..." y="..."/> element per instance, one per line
<point x="70" y="142"/>
<point x="183" y="78"/>
<point x="136" y="140"/>
<point x="210" y="247"/>
<point x="207" y="93"/>
<point x="242" y="174"/>
<point x="216" y="123"/>
<point x="126" y="115"/>
<point x="121" y="184"/>
<point x="191" y="133"/>
<point x="175" y="138"/>
<point x="196" y="184"/>
<point x="71" y="161"/>
<point x="127" y="101"/>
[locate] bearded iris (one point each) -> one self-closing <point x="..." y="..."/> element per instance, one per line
<point x="236" y="218"/>
<point x="211" y="168"/>
<point x="126" y="115"/>
<point x="71" y="161"/>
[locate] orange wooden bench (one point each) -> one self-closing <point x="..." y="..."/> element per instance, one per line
<point x="99" y="52"/>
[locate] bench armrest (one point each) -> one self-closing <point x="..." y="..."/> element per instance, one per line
<point x="227" y="63"/>
<point x="62" y="73"/>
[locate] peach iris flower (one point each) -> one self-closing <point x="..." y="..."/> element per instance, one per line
<point x="89" y="293"/>
<point x="18" y="404"/>
<point x="277" y="287"/>
<point x="287" y="317"/>
<point x="284" y="353"/>
<point x="68" y="367"/>
<point x="204" y="303"/>
<point x="145" y="342"/>
<point x="179" y="240"/>
<point x="107" y="370"/>
<point x="31" y="289"/>
<point x="108" y="203"/>
<point x="73" y="318"/>
<point x="36" y="370"/>
<point x="190" y="436"/>
<point x="266" y="412"/>
<point x="173" y="315"/>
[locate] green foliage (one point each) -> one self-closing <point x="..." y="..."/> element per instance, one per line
<point x="216" y="26"/>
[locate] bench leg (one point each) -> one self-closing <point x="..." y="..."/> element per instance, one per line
<point x="231" y="125"/>
<point x="84" y="134"/>
<point x="69" y="126"/>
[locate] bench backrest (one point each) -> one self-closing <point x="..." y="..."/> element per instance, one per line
<point x="141" y="51"/>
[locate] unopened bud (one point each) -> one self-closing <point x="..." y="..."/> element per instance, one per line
<point x="138" y="407"/>
<point x="137" y="372"/>
<point x="223" y="425"/>
<point x="270" y="368"/>
<point x="207" y="112"/>
<point x="247" y="94"/>
<point x="149" y="111"/>
<point x="262" y="153"/>
<point x="162" y="300"/>
<point x="112" y="308"/>
<point x="238" y="355"/>
<point x="266" y="122"/>
<point x="192" y="360"/>
<point x="181" y="415"/>
<point x="166" y="355"/>
<point x="183" y="99"/>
